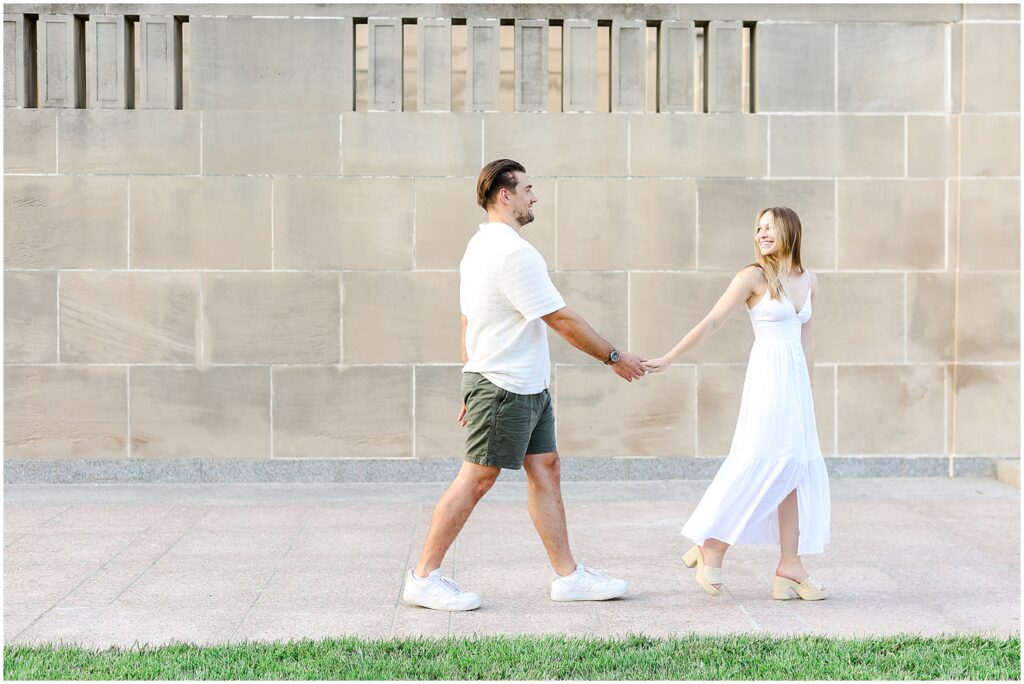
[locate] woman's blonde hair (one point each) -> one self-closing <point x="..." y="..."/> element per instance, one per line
<point x="786" y="258"/>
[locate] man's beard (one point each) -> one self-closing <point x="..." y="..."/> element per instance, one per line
<point x="523" y="218"/>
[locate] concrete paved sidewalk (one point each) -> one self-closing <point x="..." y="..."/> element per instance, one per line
<point x="103" y="565"/>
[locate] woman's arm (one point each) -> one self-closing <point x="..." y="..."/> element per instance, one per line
<point x="746" y="283"/>
<point x="807" y="331"/>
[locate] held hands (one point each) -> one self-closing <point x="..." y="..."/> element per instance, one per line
<point x="656" y="365"/>
<point x="629" y="367"/>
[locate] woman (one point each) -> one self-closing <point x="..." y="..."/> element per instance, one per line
<point x="773" y="487"/>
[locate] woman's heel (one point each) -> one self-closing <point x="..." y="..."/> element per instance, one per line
<point x="783" y="589"/>
<point x="706" y="577"/>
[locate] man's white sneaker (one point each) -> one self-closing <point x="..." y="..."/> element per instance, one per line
<point x="587" y="584"/>
<point x="438" y="592"/>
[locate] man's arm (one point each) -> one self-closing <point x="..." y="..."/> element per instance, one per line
<point x="576" y="331"/>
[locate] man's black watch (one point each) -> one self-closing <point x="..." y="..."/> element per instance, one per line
<point x="613" y="357"/>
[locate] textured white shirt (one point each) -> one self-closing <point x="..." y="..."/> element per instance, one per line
<point x="503" y="292"/>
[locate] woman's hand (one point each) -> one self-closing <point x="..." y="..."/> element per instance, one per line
<point x="656" y="365"/>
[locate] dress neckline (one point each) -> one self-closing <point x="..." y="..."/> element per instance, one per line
<point x="799" y="311"/>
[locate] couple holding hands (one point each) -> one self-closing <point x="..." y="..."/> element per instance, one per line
<point x="771" y="489"/>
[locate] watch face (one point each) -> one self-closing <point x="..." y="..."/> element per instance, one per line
<point x="614" y="356"/>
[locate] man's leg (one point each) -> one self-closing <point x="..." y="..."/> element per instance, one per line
<point x="452" y="511"/>
<point x="544" y="497"/>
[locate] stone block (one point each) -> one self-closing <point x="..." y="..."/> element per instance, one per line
<point x="284" y="143"/>
<point x="19" y="61"/>
<point x="160" y="53"/>
<point x="618" y="224"/>
<point x="30" y="140"/>
<point x="271" y="318"/>
<point x="343" y="223"/>
<point x="30" y="317"/>
<point x="677" y="65"/>
<point x="795" y="67"/>
<point x="272" y="64"/>
<point x="891" y="410"/>
<point x="579" y="65"/>
<point x="396" y="317"/>
<point x="988" y="325"/>
<point x="115" y="141"/>
<point x="989" y="224"/>
<point x="61" y="61"/>
<point x="438" y="398"/>
<point x="895" y="224"/>
<point x="447" y="216"/>
<point x="411" y="144"/>
<point x="124" y="317"/>
<point x="65" y="222"/>
<point x="206" y="413"/>
<point x="539" y="142"/>
<point x="991" y="145"/>
<point x="347" y="412"/>
<point x="992" y="67"/>
<point x="663" y="307"/>
<point x="837" y="146"/>
<point x="930" y="318"/>
<point x="859" y="318"/>
<point x="603" y="300"/>
<point x="531" y="70"/>
<point x="200" y="222"/>
<point x="931" y="146"/>
<point x="434" y="86"/>
<point x="698" y="146"/>
<point x="483" y="65"/>
<point x="598" y="414"/>
<point x="629" y="65"/>
<point x="892" y="67"/>
<point x="111" y="73"/>
<point x="992" y="11"/>
<point x="53" y="412"/>
<point x="385" y="68"/>
<point x="729" y="207"/>
<point x="824" y="391"/>
<point x="719" y="390"/>
<point x="723" y="66"/>
<point x="988" y="410"/>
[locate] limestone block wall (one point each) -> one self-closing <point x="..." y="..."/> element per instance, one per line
<point x="224" y="238"/>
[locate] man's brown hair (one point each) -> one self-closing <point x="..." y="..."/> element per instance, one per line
<point x="500" y="173"/>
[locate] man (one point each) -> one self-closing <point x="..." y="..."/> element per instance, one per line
<point x="505" y="294"/>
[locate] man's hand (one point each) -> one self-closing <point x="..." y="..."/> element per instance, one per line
<point x="462" y="416"/>
<point x="629" y="367"/>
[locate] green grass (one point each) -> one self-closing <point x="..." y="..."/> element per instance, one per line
<point x="535" y="658"/>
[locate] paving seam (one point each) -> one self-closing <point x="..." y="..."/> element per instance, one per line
<point x="305" y="524"/>
<point x="91" y="575"/>
<point x="417" y="511"/>
<point x="750" y="618"/>
<point x="160" y="557"/>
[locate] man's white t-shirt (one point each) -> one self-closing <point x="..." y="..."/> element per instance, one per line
<point x="503" y="292"/>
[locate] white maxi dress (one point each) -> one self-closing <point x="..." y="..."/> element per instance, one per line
<point x="775" y="448"/>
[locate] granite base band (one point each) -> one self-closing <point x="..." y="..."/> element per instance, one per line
<point x="107" y="471"/>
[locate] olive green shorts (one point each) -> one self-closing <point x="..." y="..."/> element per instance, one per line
<point x="504" y="427"/>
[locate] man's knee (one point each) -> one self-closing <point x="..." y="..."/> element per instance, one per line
<point x="479" y="478"/>
<point x="547" y="466"/>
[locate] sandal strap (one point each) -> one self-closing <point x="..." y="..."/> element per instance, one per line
<point x="812" y="583"/>
<point x="713" y="575"/>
